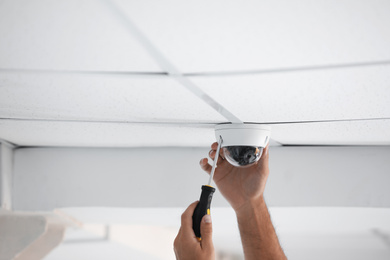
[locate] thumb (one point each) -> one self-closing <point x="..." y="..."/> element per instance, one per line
<point x="262" y="165"/>
<point x="206" y="231"/>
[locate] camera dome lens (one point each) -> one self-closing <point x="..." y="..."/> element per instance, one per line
<point x="242" y="156"/>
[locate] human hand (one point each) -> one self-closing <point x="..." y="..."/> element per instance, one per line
<point x="240" y="186"/>
<point x="186" y="245"/>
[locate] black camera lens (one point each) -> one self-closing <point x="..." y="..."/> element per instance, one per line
<point x="242" y="156"/>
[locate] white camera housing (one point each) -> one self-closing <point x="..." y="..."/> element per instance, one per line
<point x="243" y="144"/>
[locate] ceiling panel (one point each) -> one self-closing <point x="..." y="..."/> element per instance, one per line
<point x="203" y="36"/>
<point x="372" y="132"/>
<point x="31" y="133"/>
<point x="348" y="93"/>
<point x="67" y="35"/>
<point x="86" y="97"/>
<point x="94" y="134"/>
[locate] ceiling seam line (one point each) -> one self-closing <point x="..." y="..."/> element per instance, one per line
<point x="85" y="72"/>
<point x="110" y="121"/>
<point x="189" y="123"/>
<point x="204" y="74"/>
<point x="164" y="63"/>
<point x="324" y="121"/>
<point x="288" y="69"/>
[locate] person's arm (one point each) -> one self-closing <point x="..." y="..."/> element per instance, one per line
<point x="258" y="235"/>
<point x="186" y="245"/>
<point x="243" y="188"/>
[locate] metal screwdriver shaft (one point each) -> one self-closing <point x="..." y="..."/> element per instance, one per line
<point x="215" y="160"/>
<point x="206" y="196"/>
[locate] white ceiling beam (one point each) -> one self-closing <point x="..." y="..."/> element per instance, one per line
<point x="166" y="65"/>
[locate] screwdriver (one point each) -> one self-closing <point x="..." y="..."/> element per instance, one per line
<point x="206" y="196"/>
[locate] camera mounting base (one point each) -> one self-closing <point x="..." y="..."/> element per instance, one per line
<point x="257" y="135"/>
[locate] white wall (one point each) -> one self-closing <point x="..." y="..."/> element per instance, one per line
<point x="47" y="178"/>
<point x="6" y="163"/>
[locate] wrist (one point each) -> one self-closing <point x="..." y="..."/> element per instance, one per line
<point x="250" y="207"/>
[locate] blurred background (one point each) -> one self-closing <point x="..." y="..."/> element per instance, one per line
<point x="107" y="106"/>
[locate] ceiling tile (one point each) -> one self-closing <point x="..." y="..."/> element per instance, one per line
<point x="349" y="93"/>
<point x="67" y="35"/>
<point x="372" y="132"/>
<point x="32" y="133"/>
<point x="85" y="97"/>
<point x="203" y="36"/>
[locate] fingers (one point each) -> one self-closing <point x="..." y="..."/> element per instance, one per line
<point x="213" y="152"/>
<point x="176" y="242"/>
<point x="185" y="233"/>
<point x="265" y="155"/>
<point x="206" y="230"/>
<point x="205" y="165"/>
<point x="204" y="162"/>
<point x="220" y="157"/>
<point x="186" y="220"/>
<point x="214" y="145"/>
<point x="264" y="160"/>
<point x="214" y="148"/>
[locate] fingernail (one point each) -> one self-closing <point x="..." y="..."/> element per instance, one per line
<point x="207" y="219"/>
<point x="201" y="162"/>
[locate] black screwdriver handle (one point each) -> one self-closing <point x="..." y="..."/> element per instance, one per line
<point x="202" y="208"/>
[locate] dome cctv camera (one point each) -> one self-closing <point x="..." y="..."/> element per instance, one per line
<point x="243" y="144"/>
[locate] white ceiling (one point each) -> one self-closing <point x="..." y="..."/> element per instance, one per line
<point x="44" y="133"/>
<point x="372" y="132"/>
<point x="104" y="98"/>
<point x="204" y="36"/>
<point x="329" y="94"/>
<point x="163" y="73"/>
<point x="67" y="35"/>
<point x="88" y="73"/>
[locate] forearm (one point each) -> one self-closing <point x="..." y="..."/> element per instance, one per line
<point x="258" y="235"/>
